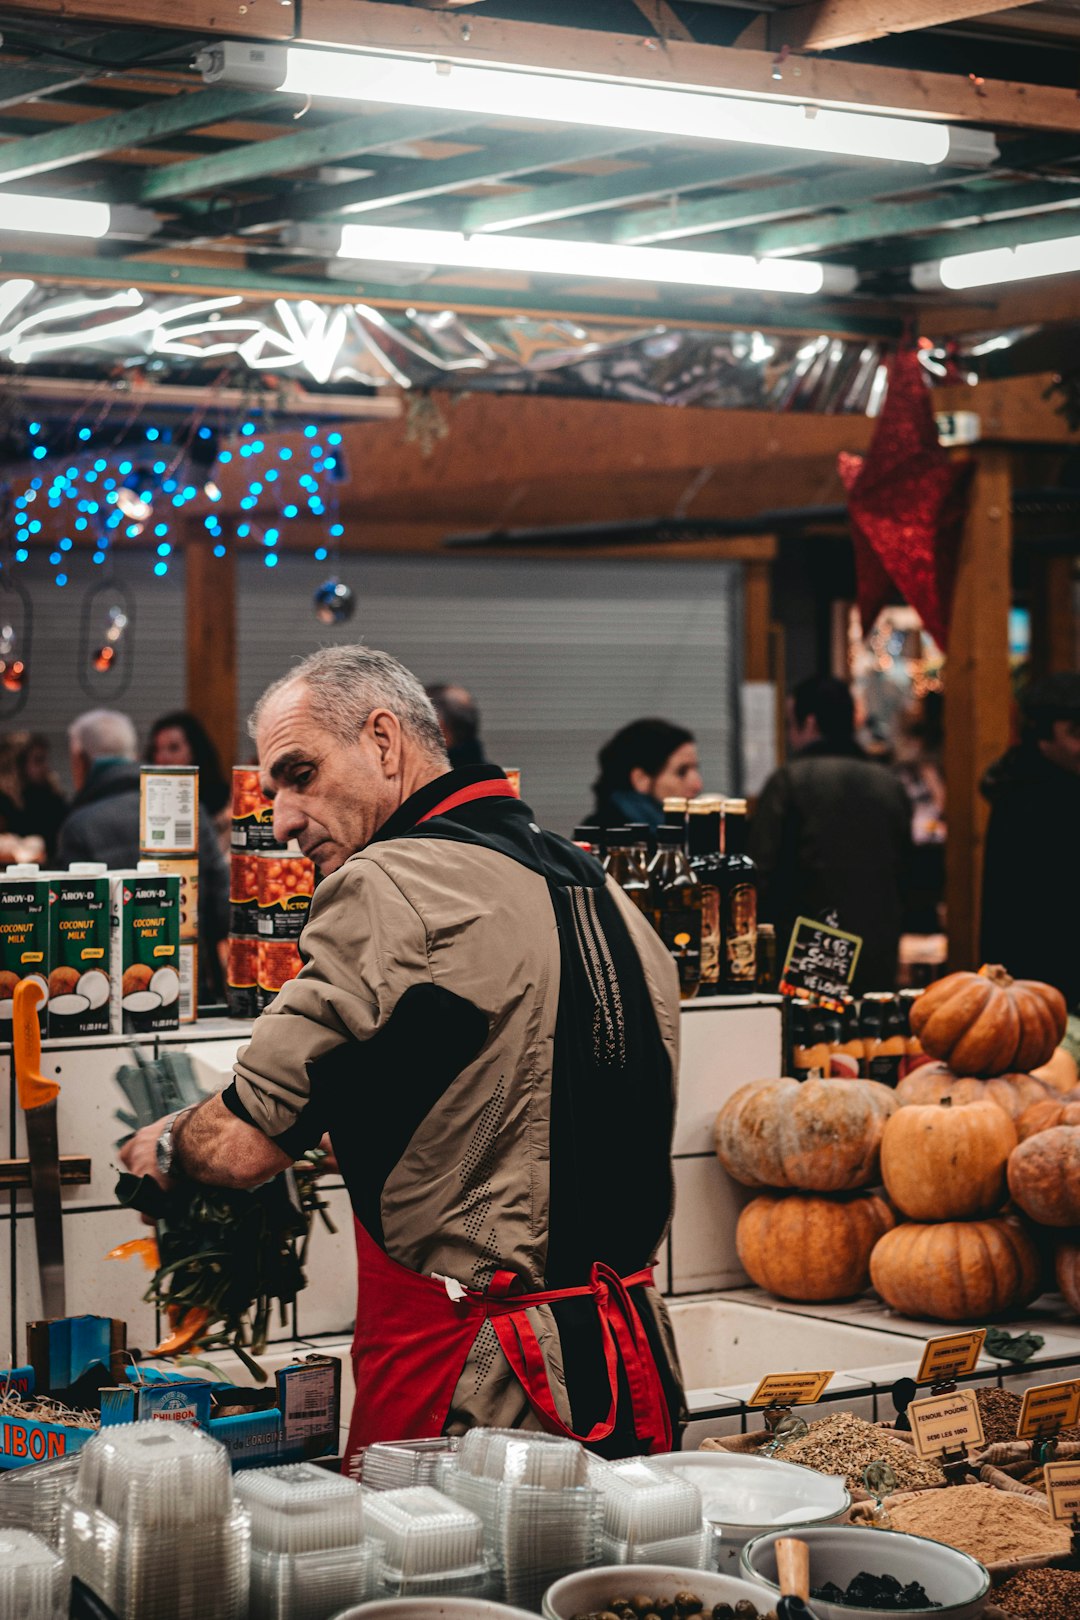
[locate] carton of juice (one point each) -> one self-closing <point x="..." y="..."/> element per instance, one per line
<point x="24" y="937"/>
<point x="79" y="988"/>
<point x="145" y="957"/>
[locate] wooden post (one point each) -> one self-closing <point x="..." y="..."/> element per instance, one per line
<point x="757" y="620"/>
<point x="1053" y="620"/>
<point x="210" y="610"/>
<point x="977" y="694"/>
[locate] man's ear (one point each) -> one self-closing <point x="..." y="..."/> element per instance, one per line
<point x="385" y="731"/>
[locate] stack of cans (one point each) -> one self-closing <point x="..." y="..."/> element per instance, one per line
<point x="542" y="1518"/>
<point x="151" y="1525"/>
<point x="390" y="1465"/>
<point x="270" y="890"/>
<point x="649" y="1515"/>
<point x="32" y="1579"/>
<point x="429" y="1546"/>
<point x="309" y="1558"/>
<point x="31" y="1498"/>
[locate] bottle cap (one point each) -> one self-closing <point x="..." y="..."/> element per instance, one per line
<point x="585" y="835"/>
<point x="641" y="830"/>
<point x="675" y="807"/>
<point x="620" y="838"/>
<point x="23" y="869"/>
<point x="669" y="837"/>
<point x="735" y="807"/>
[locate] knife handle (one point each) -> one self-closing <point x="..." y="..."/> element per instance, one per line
<point x="33" y="1088"/>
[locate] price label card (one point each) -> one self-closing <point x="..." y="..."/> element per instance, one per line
<point x="946" y="1423"/>
<point x="1047" y="1408"/>
<point x="791" y="1389"/>
<point x="820" y="963"/>
<point x="1062" y="1480"/>
<point x="951" y="1356"/>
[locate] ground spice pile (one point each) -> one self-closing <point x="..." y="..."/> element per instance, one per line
<point x="1000" y="1413"/>
<point x="996" y="1527"/>
<point x="846" y="1444"/>
<point x="1041" y="1594"/>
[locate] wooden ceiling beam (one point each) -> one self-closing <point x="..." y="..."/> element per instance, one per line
<point x="907" y="250"/>
<point x="241" y="19"/>
<point x="829" y="25"/>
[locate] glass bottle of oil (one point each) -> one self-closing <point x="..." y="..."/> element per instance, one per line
<point x="624" y="862"/>
<point x="704" y="839"/>
<point x="678" y="900"/>
<point x="738" y="904"/>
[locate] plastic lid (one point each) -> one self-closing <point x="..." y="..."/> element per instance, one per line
<point x="88" y="868"/>
<point x="24" y="869"/>
<point x="148" y="867"/>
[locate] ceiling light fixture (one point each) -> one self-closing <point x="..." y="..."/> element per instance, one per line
<point x="992" y="265"/>
<point x="549" y="256"/>
<point x="654" y="109"/>
<point x="72" y="216"/>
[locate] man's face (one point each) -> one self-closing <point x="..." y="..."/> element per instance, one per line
<point x="1062" y="747"/>
<point x="331" y="796"/>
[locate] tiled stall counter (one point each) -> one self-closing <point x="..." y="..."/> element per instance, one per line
<point x="726" y="1041"/>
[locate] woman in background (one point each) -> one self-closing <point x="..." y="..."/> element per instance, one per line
<point x="645" y="763"/>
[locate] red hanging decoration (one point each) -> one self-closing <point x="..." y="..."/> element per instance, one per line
<point x="906" y="503"/>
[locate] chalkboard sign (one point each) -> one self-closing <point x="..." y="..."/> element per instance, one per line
<point x="820" y="963"/>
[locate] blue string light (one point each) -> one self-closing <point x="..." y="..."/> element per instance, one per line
<point x="164" y="550"/>
<point x="153" y="434"/>
<point x="35" y="428"/>
<point x="270" y="559"/>
<point x="40" y="452"/>
<point x="161" y="568"/>
<point x="61" y="579"/>
<point x="84" y="433"/>
<point x="22" y="554"/>
<point x="320" y="553"/>
<point x="98" y="557"/>
<point x="219" y="551"/>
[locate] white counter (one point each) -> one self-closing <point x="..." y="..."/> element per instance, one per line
<point x="726" y="1042"/>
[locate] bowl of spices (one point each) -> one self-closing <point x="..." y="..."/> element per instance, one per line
<point x="656" y="1592"/>
<point x="863" y="1574"/>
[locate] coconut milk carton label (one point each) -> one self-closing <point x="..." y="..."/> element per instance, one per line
<point x="79" y="947"/>
<point x="145" y="952"/>
<point x="24" y="941"/>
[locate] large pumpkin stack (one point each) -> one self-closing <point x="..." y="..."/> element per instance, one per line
<point x="947" y="1155"/>
<point x="810" y="1150"/>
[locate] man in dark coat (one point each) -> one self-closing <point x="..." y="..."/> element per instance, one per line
<point x="103" y="825"/>
<point x="832" y="833"/>
<point x="1031" y="873"/>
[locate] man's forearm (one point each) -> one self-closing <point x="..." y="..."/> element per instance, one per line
<point x="211" y="1145"/>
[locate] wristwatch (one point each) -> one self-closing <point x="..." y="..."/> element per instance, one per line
<point x="165" y="1147"/>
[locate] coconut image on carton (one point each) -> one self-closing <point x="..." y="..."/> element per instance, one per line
<point x="145" y="959"/>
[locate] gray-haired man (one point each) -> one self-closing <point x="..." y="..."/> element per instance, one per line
<point x="487" y="1029"/>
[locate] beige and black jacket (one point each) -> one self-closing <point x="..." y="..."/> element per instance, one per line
<point x="488" y="1029"/>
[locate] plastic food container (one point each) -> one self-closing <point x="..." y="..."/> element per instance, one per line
<point x="514" y="1457"/>
<point x="390" y="1465"/>
<point x="592" y="1589"/>
<point x="32" y="1578"/>
<point x="743" y="1496"/>
<point x="301" y="1509"/>
<point x="958" y="1584"/>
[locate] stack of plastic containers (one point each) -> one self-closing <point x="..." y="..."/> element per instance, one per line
<point x="32" y="1581"/>
<point x="429" y="1545"/>
<point x="31" y="1498"/>
<point x="308" y="1554"/>
<point x="151" y="1525"/>
<point x="541" y="1516"/>
<point x="649" y="1515"/>
<point x="390" y="1465"/>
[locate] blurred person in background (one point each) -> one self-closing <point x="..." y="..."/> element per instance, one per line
<point x="459" y="721"/>
<point x="1031" y="870"/>
<point x="645" y="763"/>
<point x="832" y="833"/>
<point x="103" y="825"/>
<point x="917" y="763"/>
<point x="28" y="818"/>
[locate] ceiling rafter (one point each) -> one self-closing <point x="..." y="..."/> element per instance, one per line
<point x="829" y="25"/>
<point x="1002" y="233"/>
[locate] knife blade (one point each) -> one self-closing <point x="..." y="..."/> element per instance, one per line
<point x="37" y="1099"/>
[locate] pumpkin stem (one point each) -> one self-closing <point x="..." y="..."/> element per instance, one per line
<point x="996" y="974"/>
<point x="946" y="1102"/>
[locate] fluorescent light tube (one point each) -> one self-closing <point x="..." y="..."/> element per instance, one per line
<point x="508" y="92"/>
<point x="548" y="256"/>
<point x="53" y="216"/>
<point x="992" y="265"/>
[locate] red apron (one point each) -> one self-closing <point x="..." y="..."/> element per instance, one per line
<point x="413" y="1339"/>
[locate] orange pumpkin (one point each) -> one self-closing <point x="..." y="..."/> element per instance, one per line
<point x="1044" y="1176"/>
<point x="1043" y="1116"/>
<point x="802" y="1246"/>
<point x="820" y="1136"/>
<point x="957" y="1271"/>
<point x="987" y="1023"/>
<point x="1061" y="1071"/>
<point x="941" y="1163"/>
<point x="1067" y="1271"/>
<point x="935" y="1083"/>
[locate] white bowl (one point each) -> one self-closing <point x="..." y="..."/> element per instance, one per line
<point x="741" y="1496"/>
<point x="592" y="1589"/>
<point x="433" y="1609"/>
<point x="960" y="1584"/>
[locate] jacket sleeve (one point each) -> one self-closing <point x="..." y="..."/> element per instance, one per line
<point x="1008" y="886"/>
<point x="363" y="947"/>
<point x="769" y="839"/>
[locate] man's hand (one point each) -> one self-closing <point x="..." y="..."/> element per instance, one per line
<point x="139" y="1154"/>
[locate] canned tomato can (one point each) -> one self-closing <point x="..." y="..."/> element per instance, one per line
<point x="242" y="978"/>
<point x="286" y="883"/>
<point x="252" y="812"/>
<point x="244" y="895"/>
<point x="279" y="961"/>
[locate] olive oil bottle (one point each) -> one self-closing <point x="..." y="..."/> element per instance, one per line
<point x="738" y="904"/>
<point x="625" y="863"/>
<point x="678" y="899"/>
<point x="705" y="844"/>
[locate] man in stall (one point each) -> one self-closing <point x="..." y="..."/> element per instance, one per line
<point x="487" y="1030"/>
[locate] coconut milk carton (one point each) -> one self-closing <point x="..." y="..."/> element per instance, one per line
<point x="79" y="948"/>
<point x="24" y="937"/>
<point x="145" y="955"/>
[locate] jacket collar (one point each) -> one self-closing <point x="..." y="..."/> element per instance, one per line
<point x="425" y="799"/>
